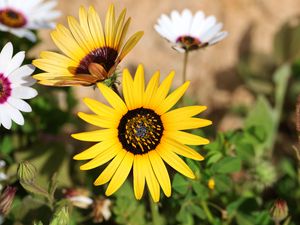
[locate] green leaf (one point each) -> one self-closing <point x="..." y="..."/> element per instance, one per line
<point x="6" y="146"/>
<point x="197" y="211"/>
<point x="200" y="190"/>
<point x="243" y="219"/>
<point x="227" y="165"/>
<point x="180" y="184"/>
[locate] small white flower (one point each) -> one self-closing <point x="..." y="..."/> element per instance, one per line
<point x="81" y="201"/>
<point x="15" y="82"/>
<point x="187" y="32"/>
<point x="2" y="163"/>
<point x="19" y="17"/>
<point x="3" y="176"/>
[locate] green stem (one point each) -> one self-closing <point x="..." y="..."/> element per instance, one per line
<point x="154" y="212"/>
<point x="207" y="212"/>
<point x="185" y="61"/>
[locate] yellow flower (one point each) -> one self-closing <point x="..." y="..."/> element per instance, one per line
<point x="211" y="184"/>
<point x="91" y="53"/>
<point x="141" y="133"/>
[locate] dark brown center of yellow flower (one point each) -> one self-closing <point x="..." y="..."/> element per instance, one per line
<point x="140" y="130"/>
<point x="104" y="56"/>
<point x="12" y="18"/>
<point x="5" y="88"/>
<point x="188" y="42"/>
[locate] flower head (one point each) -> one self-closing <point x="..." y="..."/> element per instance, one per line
<point x="187" y="32"/>
<point x="6" y="199"/>
<point x="91" y="52"/>
<point x="15" y="82"/>
<point x="19" y="18"/>
<point x="279" y="210"/>
<point x="142" y="133"/>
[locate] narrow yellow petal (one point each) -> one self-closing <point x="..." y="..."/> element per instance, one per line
<point x="103" y="157"/>
<point x="53" y="66"/>
<point x="96" y="27"/>
<point x="83" y="20"/>
<point x="172" y="99"/>
<point x="151" y="180"/>
<point x="132" y="41"/>
<point x="123" y="34"/>
<point x="110" y="25"/>
<point x="114" y="100"/>
<point x="183" y="113"/>
<point x="58" y="58"/>
<point x="174" y="161"/>
<point x="96" y="149"/>
<point x="181" y="149"/>
<point x="186" y="124"/>
<point x="138" y="177"/>
<point x="128" y="89"/>
<point x="110" y="170"/>
<point x="161" y="172"/>
<point x="119" y="29"/>
<point x="97" y="135"/>
<point x="138" y="86"/>
<point x="101" y="109"/>
<point x="121" y="174"/>
<point x="151" y="89"/>
<point x="186" y="138"/>
<point x="162" y="91"/>
<point x="100" y="121"/>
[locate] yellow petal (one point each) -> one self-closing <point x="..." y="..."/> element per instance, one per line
<point x="123" y="34"/>
<point x="103" y="157"/>
<point x="110" y="170"/>
<point x="138" y="86"/>
<point x="96" y="27"/>
<point x="174" y="161"/>
<point x="100" y="121"/>
<point x="120" y="175"/>
<point x="83" y="20"/>
<point x="101" y="109"/>
<point x="114" y="100"/>
<point x="151" y="89"/>
<point x="119" y="29"/>
<point x="181" y="149"/>
<point x="53" y="66"/>
<point x="110" y="25"/>
<point x="172" y="99"/>
<point x="183" y="113"/>
<point x="162" y="91"/>
<point x="133" y="40"/>
<point x="128" y="89"/>
<point x="138" y="177"/>
<point x="150" y="178"/>
<point x="186" y="138"/>
<point x="96" y="149"/>
<point x="161" y="172"/>
<point x="97" y="135"/>
<point x="186" y="124"/>
<point x="58" y="59"/>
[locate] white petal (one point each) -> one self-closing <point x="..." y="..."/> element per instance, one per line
<point x="15" y="114"/>
<point x="186" y="20"/>
<point x="20" y="75"/>
<point x="19" y="104"/>
<point x="220" y="36"/>
<point x="211" y="33"/>
<point x="23" y="92"/>
<point x="206" y="24"/>
<point x="5" y="56"/>
<point x="5" y="117"/>
<point x="15" y="63"/>
<point x="198" y="18"/>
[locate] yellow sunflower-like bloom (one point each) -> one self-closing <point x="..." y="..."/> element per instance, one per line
<point x="91" y="53"/>
<point x="141" y="133"/>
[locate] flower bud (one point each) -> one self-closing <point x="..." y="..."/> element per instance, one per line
<point x="61" y="217"/>
<point x="211" y="184"/>
<point x="279" y="210"/>
<point x="27" y="172"/>
<point x="6" y="199"/>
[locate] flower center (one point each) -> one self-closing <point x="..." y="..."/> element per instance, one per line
<point x="188" y="42"/>
<point x="105" y="56"/>
<point x="12" y="18"/>
<point x="140" y="130"/>
<point x="5" y="89"/>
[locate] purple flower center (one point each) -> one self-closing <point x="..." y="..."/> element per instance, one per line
<point x="12" y="18"/>
<point x="188" y="42"/>
<point x="5" y="88"/>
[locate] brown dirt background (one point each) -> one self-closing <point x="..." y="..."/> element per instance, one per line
<point x="211" y="70"/>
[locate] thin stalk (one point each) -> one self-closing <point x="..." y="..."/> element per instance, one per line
<point x="185" y="62"/>
<point x="154" y="212"/>
<point x="115" y="89"/>
<point x="207" y="212"/>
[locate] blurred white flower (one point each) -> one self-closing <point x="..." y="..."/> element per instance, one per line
<point x="19" y="17"/>
<point x="15" y="82"/>
<point x="189" y="32"/>
<point x="79" y="197"/>
<point x="101" y="210"/>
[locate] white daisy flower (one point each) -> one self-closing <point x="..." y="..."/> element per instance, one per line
<point x="15" y="82"/>
<point x="19" y="17"/>
<point x="187" y="32"/>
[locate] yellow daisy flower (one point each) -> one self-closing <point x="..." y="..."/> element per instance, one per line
<point x="91" y="52"/>
<point x="141" y="133"/>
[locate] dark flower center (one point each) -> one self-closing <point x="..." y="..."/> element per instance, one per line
<point x="188" y="42"/>
<point x="12" y="18"/>
<point x="105" y="56"/>
<point x="5" y="89"/>
<point x="140" y="130"/>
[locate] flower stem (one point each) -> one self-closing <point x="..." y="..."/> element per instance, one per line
<point x="154" y="212"/>
<point x="185" y="62"/>
<point x="207" y="212"/>
<point x="115" y="89"/>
